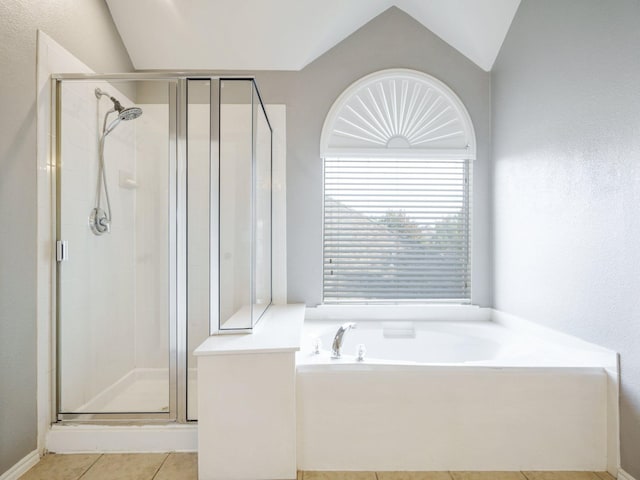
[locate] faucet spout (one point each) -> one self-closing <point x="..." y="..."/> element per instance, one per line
<point x="338" y="339"/>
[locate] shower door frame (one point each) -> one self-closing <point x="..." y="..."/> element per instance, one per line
<point x="178" y="320"/>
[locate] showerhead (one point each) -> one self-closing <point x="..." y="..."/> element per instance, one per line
<point x="123" y="113"/>
<point x="129" y="113"/>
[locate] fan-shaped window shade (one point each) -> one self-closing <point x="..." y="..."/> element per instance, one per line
<point x="397" y="148"/>
<point x="402" y="111"/>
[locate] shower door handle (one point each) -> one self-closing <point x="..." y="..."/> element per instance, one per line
<point x="62" y="250"/>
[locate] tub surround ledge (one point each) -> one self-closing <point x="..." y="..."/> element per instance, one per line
<point x="279" y="330"/>
<point x="247" y="428"/>
<point x="406" y="312"/>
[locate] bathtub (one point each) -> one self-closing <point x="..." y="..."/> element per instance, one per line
<point x="479" y="343"/>
<point x="447" y="395"/>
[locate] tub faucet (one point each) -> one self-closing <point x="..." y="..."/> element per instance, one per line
<point x="337" y="340"/>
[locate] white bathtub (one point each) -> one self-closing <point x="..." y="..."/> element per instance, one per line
<point x="480" y="343"/>
<point x="448" y="396"/>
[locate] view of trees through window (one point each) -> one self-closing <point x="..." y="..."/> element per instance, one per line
<point x="396" y="229"/>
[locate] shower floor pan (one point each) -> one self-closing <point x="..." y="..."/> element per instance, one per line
<point x="141" y="390"/>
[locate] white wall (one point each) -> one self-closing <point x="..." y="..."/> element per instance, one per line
<point x="393" y="39"/>
<point x="71" y="22"/>
<point x="566" y="138"/>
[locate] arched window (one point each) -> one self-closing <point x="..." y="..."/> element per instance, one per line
<point x="397" y="147"/>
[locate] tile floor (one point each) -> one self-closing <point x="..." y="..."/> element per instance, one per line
<point x="116" y="466"/>
<point x="454" y="476"/>
<point x="184" y="466"/>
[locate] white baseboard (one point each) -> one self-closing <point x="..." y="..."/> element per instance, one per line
<point x="118" y="439"/>
<point x="21" y="467"/>
<point x="622" y="475"/>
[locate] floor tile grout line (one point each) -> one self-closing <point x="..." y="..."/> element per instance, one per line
<point x="161" y="465"/>
<point x="604" y="475"/>
<point x="90" y="466"/>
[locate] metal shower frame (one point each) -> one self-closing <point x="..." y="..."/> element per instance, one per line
<point x="177" y="143"/>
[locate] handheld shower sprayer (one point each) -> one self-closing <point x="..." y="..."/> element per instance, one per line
<point x="99" y="220"/>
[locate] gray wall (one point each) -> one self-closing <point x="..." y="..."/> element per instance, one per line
<point x="86" y="29"/>
<point x="391" y="40"/>
<point x="566" y="140"/>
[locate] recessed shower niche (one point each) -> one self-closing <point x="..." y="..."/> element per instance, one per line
<point x="163" y="228"/>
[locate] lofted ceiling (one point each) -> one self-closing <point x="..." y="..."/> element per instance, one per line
<point x="289" y="34"/>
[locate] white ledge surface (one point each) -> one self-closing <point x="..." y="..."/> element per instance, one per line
<point x="279" y="330"/>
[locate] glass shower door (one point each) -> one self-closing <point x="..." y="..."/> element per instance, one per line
<point x="116" y="242"/>
<point x="163" y="220"/>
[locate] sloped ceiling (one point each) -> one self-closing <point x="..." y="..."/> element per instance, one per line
<point x="289" y="34"/>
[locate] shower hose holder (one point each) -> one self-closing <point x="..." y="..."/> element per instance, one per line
<point x="99" y="222"/>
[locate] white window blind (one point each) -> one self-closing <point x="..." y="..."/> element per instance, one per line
<point x="396" y="229"/>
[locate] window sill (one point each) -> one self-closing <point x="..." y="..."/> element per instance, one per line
<point x="442" y="312"/>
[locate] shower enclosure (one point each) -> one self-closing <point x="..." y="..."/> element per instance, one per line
<point x="163" y="227"/>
